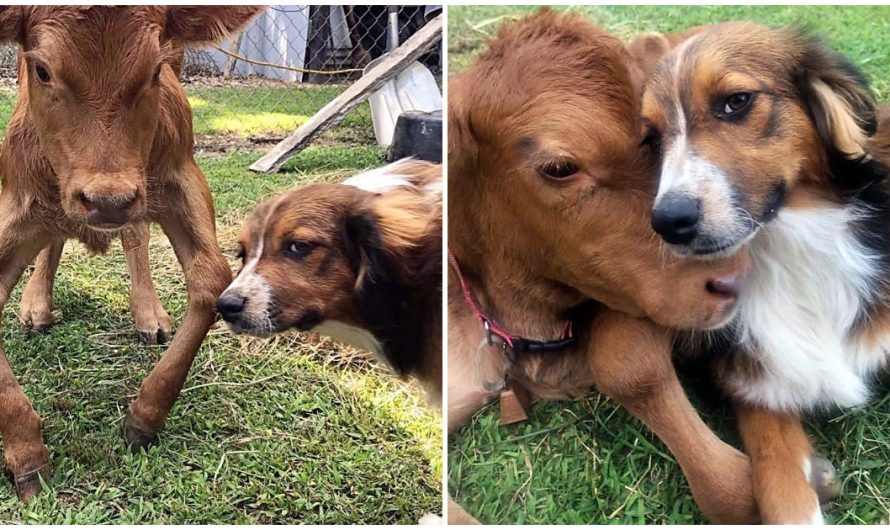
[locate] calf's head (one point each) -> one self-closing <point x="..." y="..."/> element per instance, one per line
<point x="93" y="81"/>
<point x="548" y="176"/>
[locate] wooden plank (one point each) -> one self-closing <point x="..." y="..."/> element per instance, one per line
<point x="333" y="112"/>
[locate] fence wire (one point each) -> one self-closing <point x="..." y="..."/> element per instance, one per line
<point x="290" y="61"/>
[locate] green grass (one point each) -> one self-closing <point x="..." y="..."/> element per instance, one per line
<point x="588" y="461"/>
<point x="276" y="110"/>
<point x="859" y="32"/>
<point x="245" y="111"/>
<point x="283" y="430"/>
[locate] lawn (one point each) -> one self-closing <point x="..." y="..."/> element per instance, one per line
<point x="588" y="461"/>
<point x="287" y="430"/>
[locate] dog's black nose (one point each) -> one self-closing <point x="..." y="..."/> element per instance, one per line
<point x="230" y="305"/>
<point x="676" y="218"/>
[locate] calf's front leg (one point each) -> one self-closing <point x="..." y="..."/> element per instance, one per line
<point x="188" y="221"/>
<point x="36" y="308"/>
<point x="153" y="324"/>
<point x="631" y="362"/>
<point x="23" y="448"/>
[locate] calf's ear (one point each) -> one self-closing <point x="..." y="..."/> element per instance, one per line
<point x="12" y="23"/>
<point x="207" y="24"/>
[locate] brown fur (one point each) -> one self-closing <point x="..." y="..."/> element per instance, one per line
<point x="342" y="222"/>
<point x="534" y="248"/>
<point x="107" y="141"/>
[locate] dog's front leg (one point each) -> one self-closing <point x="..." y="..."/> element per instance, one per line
<point x="153" y="324"/>
<point x="188" y="221"/>
<point x="783" y="465"/>
<point x="24" y="451"/>
<point x="631" y="362"/>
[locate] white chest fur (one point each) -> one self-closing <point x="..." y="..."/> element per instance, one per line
<point x="351" y="335"/>
<point x="809" y="282"/>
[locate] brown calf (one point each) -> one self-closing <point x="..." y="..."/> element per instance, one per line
<point x="101" y="138"/>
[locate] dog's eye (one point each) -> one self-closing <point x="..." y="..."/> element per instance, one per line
<point x="736" y="104"/>
<point x="558" y="169"/>
<point x="299" y="249"/>
<point x="652" y="139"/>
<point x="42" y="73"/>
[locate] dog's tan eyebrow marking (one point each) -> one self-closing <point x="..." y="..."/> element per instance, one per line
<point x="773" y="125"/>
<point x="266" y="224"/>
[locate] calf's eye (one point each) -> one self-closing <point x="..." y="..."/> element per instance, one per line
<point x="558" y="169"/>
<point x="42" y="73"/>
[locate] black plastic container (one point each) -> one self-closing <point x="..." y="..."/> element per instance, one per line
<point x="418" y="135"/>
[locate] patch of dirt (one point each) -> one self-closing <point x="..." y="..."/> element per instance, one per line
<point x="223" y="143"/>
<point x="252" y="82"/>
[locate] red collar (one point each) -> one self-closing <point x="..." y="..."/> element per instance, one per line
<point x="516" y="343"/>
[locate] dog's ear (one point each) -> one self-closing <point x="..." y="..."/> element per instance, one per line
<point x="207" y="24"/>
<point x="838" y="99"/>
<point x="385" y="306"/>
<point x="12" y="23"/>
<point x="364" y="250"/>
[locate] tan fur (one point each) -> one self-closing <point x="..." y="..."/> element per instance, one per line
<point x="847" y="132"/>
<point x="68" y="169"/>
<point x="532" y="249"/>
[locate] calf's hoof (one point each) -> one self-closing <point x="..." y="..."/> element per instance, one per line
<point x="136" y="436"/>
<point x="154" y="336"/>
<point x="29" y="483"/>
<point x="37" y="321"/>
<point x="824" y="479"/>
<point x="154" y="326"/>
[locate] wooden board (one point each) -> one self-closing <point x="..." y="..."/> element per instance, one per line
<point x="391" y="66"/>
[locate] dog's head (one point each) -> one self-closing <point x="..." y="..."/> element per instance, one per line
<point x="339" y="253"/>
<point x="546" y="172"/>
<point x="742" y="114"/>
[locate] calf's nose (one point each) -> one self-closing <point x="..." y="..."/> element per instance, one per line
<point x="108" y="209"/>
<point x="676" y="218"/>
<point x="230" y="306"/>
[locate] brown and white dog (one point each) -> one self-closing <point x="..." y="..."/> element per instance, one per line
<point x="549" y="202"/>
<point x="360" y="261"/>
<point x="767" y="148"/>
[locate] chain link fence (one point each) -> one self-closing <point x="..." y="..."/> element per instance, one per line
<point x="265" y="81"/>
<point x="289" y="63"/>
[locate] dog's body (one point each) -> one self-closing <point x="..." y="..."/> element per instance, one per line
<point x="548" y="206"/>
<point x="365" y="267"/>
<point x="804" y="191"/>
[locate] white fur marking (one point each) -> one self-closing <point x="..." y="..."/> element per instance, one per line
<point x="352" y="335"/>
<point x="810" y="281"/>
<point x="256" y="290"/>
<point x="382" y="179"/>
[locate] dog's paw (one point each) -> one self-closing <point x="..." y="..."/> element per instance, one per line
<point x="824" y="479"/>
<point x="430" y="518"/>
